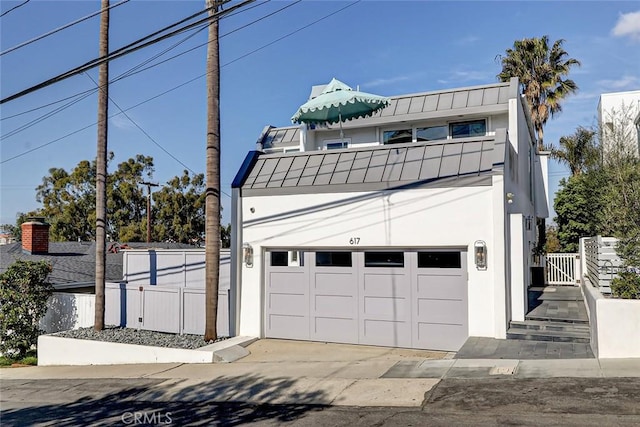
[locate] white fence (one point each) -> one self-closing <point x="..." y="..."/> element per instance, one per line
<point x="68" y="311"/>
<point x="601" y="261"/>
<point x="165" y="309"/>
<point x="562" y="269"/>
<point x="163" y="291"/>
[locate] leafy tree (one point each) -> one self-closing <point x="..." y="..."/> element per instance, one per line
<point x="578" y="204"/>
<point x="541" y="70"/>
<point x="68" y="201"/>
<point x="24" y="292"/>
<point x="126" y="201"/>
<point x="552" y="245"/>
<point x="578" y="151"/>
<point x="178" y="210"/>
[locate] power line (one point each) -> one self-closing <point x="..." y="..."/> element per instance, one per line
<point x="178" y="86"/>
<point x="132" y="72"/>
<point x="70" y="24"/>
<point x="130" y="48"/>
<point x="14" y="8"/>
<point x="142" y="130"/>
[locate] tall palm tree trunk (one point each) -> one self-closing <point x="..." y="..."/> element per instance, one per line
<point x="101" y="168"/>
<point x="212" y="200"/>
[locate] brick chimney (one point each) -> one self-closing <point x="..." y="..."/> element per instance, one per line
<point x="35" y="236"/>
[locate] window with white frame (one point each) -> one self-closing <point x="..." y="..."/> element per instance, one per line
<point x="336" y="144"/>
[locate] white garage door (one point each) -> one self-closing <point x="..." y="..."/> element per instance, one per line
<point x="396" y="298"/>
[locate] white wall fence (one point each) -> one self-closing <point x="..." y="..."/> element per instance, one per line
<point x="562" y="269"/>
<point x="164" y="309"/>
<point x="601" y="261"/>
<point x="68" y="311"/>
<point x="162" y="290"/>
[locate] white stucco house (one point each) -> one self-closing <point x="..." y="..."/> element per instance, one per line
<point x="612" y="109"/>
<point x="415" y="231"/>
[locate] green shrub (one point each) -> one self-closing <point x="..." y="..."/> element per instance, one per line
<point x="626" y="285"/>
<point x="24" y="292"/>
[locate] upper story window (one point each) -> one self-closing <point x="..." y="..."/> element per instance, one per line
<point x="470" y="128"/>
<point x="397" y="136"/>
<point x="336" y="144"/>
<point x="432" y="133"/>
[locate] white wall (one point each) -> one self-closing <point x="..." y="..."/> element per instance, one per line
<point x="613" y="103"/>
<point x="443" y="217"/>
<point x="614" y="323"/>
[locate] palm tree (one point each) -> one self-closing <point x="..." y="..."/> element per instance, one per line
<point x="542" y="72"/>
<point x="212" y="192"/>
<point x="578" y="151"/>
<point x="101" y="168"/>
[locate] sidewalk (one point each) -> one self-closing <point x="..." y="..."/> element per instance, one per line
<point x="295" y="372"/>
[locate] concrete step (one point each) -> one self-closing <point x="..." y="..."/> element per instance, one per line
<point x="541" y="325"/>
<point x="552" y="318"/>
<point x="555" y="336"/>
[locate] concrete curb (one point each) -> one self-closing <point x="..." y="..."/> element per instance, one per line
<point x="59" y="351"/>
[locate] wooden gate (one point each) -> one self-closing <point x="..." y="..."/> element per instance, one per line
<point x="562" y="269"/>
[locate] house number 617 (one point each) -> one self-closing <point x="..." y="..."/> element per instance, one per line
<point x="354" y="241"/>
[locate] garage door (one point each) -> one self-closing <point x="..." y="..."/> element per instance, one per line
<point x="413" y="299"/>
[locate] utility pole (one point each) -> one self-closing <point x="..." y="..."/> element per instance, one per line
<point x="101" y="168"/>
<point x="212" y="195"/>
<point x="149" y="185"/>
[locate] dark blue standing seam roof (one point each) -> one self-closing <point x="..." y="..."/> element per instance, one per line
<point x="447" y="162"/>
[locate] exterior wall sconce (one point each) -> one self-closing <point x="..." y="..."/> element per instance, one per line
<point x="480" y="251"/>
<point x="247" y="254"/>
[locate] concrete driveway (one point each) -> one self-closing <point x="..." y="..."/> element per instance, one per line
<point x="276" y="351"/>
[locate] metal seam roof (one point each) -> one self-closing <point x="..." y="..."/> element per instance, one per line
<point x="383" y="166"/>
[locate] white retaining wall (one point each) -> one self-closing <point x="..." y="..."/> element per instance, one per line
<point x="614" y="323"/>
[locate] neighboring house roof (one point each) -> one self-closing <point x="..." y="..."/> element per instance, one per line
<point x="491" y="98"/>
<point x="468" y="161"/>
<point x="74" y="262"/>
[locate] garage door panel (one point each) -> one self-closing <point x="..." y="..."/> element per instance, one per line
<point x="441" y="287"/>
<point x="335" y="330"/>
<point x="441" y="311"/>
<point x="294" y="305"/>
<point x="288" y="281"/>
<point x="335" y="283"/>
<point x="385" y="284"/>
<point x="335" y="305"/>
<point x="387" y="308"/>
<point x="386" y="333"/>
<point x="441" y="336"/>
<point x="288" y="326"/>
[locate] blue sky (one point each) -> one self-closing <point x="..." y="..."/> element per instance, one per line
<point x="385" y="47"/>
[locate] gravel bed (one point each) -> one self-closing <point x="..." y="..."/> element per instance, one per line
<point x="139" y="337"/>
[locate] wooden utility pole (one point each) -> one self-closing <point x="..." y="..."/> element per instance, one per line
<point x="149" y="185"/>
<point x="212" y="198"/>
<point x="101" y="167"/>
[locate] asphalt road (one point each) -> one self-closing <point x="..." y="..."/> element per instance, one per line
<point x="453" y="402"/>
